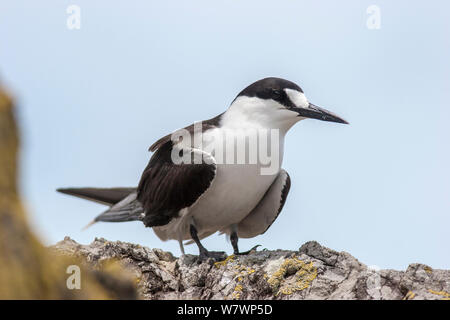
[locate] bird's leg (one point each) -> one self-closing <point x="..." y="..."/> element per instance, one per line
<point x="203" y="253"/>
<point x="234" y="242"/>
<point x="194" y="236"/>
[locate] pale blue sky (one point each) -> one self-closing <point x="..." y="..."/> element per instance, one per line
<point x="92" y="100"/>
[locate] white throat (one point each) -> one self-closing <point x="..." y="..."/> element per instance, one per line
<point x="252" y="112"/>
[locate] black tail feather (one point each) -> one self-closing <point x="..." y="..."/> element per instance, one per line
<point x="108" y="196"/>
<point x="122" y="201"/>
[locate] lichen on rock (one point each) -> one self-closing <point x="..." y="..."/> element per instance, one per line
<point x="313" y="272"/>
<point x="303" y="274"/>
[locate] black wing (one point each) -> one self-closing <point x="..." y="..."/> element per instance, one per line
<point x="166" y="188"/>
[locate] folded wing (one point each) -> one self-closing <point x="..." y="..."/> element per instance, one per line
<point x="166" y="187"/>
<point x="267" y="210"/>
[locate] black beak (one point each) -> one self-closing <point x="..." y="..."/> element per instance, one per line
<point x="315" y="112"/>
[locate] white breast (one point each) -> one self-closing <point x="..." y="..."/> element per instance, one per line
<point x="237" y="188"/>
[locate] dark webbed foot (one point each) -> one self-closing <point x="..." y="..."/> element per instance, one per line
<point x="248" y="251"/>
<point x="205" y="254"/>
<point x="214" y="255"/>
<point x="234" y="242"/>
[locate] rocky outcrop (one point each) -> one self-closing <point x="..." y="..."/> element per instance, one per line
<point x="27" y="270"/>
<point x="312" y="272"/>
<point x="112" y="270"/>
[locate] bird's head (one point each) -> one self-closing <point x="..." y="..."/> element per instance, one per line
<point x="276" y="102"/>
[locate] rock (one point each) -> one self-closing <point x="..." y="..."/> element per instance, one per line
<point x="27" y="270"/>
<point x="112" y="269"/>
<point x="313" y="272"/>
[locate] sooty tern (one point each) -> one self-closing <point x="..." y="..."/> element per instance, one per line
<point x="190" y="200"/>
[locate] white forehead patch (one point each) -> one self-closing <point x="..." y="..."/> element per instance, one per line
<point x="298" y="98"/>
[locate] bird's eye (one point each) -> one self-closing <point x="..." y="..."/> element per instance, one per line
<point x="276" y="93"/>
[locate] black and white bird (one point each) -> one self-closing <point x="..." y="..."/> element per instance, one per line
<point x="189" y="201"/>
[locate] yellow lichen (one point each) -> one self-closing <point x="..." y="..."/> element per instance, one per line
<point x="239" y="278"/>
<point x="224" y="262"/>
<point x="237" y="292"/>
<point x="304" y="274"/>
<point x="409" y="296"/>
<point x="445" y="295"/>
<point x="428" y="269"/>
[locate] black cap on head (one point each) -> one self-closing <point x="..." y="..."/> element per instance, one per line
<point x="274" y="88"/>
<point x="266" y="87"/>
<point x="271" y="88"/>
